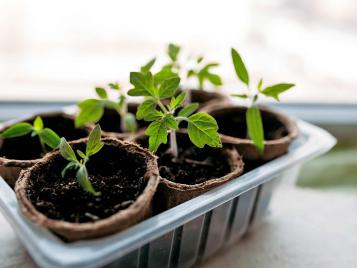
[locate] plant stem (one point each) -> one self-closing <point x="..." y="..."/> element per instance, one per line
<point x="44" y="150"/>
<point x="173" y="143"/>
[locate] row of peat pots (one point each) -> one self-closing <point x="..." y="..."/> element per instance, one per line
<point x="133" y="183"/>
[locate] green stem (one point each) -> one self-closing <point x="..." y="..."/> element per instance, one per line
<point x="173" y="143"/>
<point x="43" y="146"/>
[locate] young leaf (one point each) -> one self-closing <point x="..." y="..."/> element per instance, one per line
<point x="115" y="86"/>
<point x="188" y="110"/>
<point x="17" y="130"/>
<point x="173" y="51"/>
<point x="67" y="151"/>
<point x="101" y="92"/>
<point x="147" y="67"/>
<point x="143" y="84"/>
<point x="147" y="111"/>
<point x="130" y="122"/>
<point x="50" y="138"/>
<point x="202" y="129"/>
<point x="275" y="90"/>
<point x="168" y="87"/>
<point x="83" y="180"/>
<point x="70" y="165"/>
<point x="157" y="132"/>
<point x="38" y="123"/>
<point x="177" y="101"/>
<point x="239" y="67"/>
<point x="94" y="141"/>
<point x="81" y="154"/>
<point x="255" y="127"/>
<point x="91" y="111"/>
<point x="214" y="79"/>
<point x="260" y="84"/>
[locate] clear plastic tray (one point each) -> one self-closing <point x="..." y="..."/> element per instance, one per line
<point x="182" y="235"/>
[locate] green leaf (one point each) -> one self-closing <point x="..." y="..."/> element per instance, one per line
<point x="188" y="110"/>
<point x="190" y="73"/>
<point x="214" y="79"/>
<point x="17" y="130"/>
<point x="169" y="87"/>
<point x="50" y="138"/>
<point x="177" y="101"/>
<point x="157" y="132"/>
<point x="170" y="121"/>
<point x="239" y="67"/>
<point x="94" y="141"/>
<point x="275" y="90"/>
<point x="70" y="165"/>
<point x="173" y="51"/>
<point x="101" y="92"/>
<point x="202" y="129"/>
<point x="143" y="83"/>
<point x="91" y="111"/>
<point x="38" y="123"/>
<point x="165" y="73"/>
<point x="130" y="122"/>
<point x="81" y="154"/>
<point x="83" y="180"/>
<point x="147" y="111"/>
<point x="260" y="84"/>
<point x="242" y="96"/>
<point x="115" y="86"/>
<point x="255" y="127"/>
<point x="147" y="67"/>
<point x="67" y="151"/>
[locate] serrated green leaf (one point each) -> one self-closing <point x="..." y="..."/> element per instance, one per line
<point x="173" y="51"/>
<point x="91" y="111"/>
<point x="70" y="165"/>
<point x="188" y="110"/>
<point x="143" y="83"/>
<point x="202" y="129"/>
<point x="17" y="130"/>
<point x="177" y="101"/>
<point x="147" y="111"/>
<point x="130" y="122"/>
<point x="165" y="73"/>
<point x="147" y="67"/>
<point x="50" y="138"/>
<point x="239" y="67"/>
<point x="101" y="92"/>
<point x="38" y="123"/>
<point x="275" y="90"/>
<point x="168" y="87"/>
<point x="83" y="180"/>
<point x="81" y="154"/>
<point x="255" y="127"/>
<point x="157" y="132"/>
<point x="94" y="141"/>
<point x="67" y="151"/>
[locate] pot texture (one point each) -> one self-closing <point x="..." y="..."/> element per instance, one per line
<point x="136" y="212"/>
<point x="279" y="130"/>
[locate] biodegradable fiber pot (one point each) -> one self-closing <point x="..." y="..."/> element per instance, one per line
<point x="125" y="174"/>
<point x="23" y="152"/>
<point x="195" y="172"/>
<point x="111" y="123"/>
<point x="279" y="131"/>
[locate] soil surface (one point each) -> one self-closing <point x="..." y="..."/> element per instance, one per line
<point x="116" y="173"/>
<point x="233" y="123"/>
<point x="194" y="165"/>
<point x="111" y="120"/>
<point x="27" y="147"/>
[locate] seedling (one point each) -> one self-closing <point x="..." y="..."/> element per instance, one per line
<point x="94" y="145"/>
<point x="91" y="110"/>
<point x="202" y="72"/>
<point x="253" y="115"/>
<point x="201" y="127"/>
<point x="46" y="135"/>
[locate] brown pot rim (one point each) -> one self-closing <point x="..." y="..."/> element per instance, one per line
<point x="74" y="231"/>
<point x="30" y="162"/>
<point x="289" y="123"/>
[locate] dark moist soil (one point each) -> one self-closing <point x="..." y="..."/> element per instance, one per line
<point x="111" y="120"/>
<point x="27" y="147"/>
<point x="117" y="174"/>
<point x="233" y="124"/>
<point x="194" y="165"/>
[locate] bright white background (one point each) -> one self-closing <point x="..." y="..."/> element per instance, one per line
<point x="59" y="50"/>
